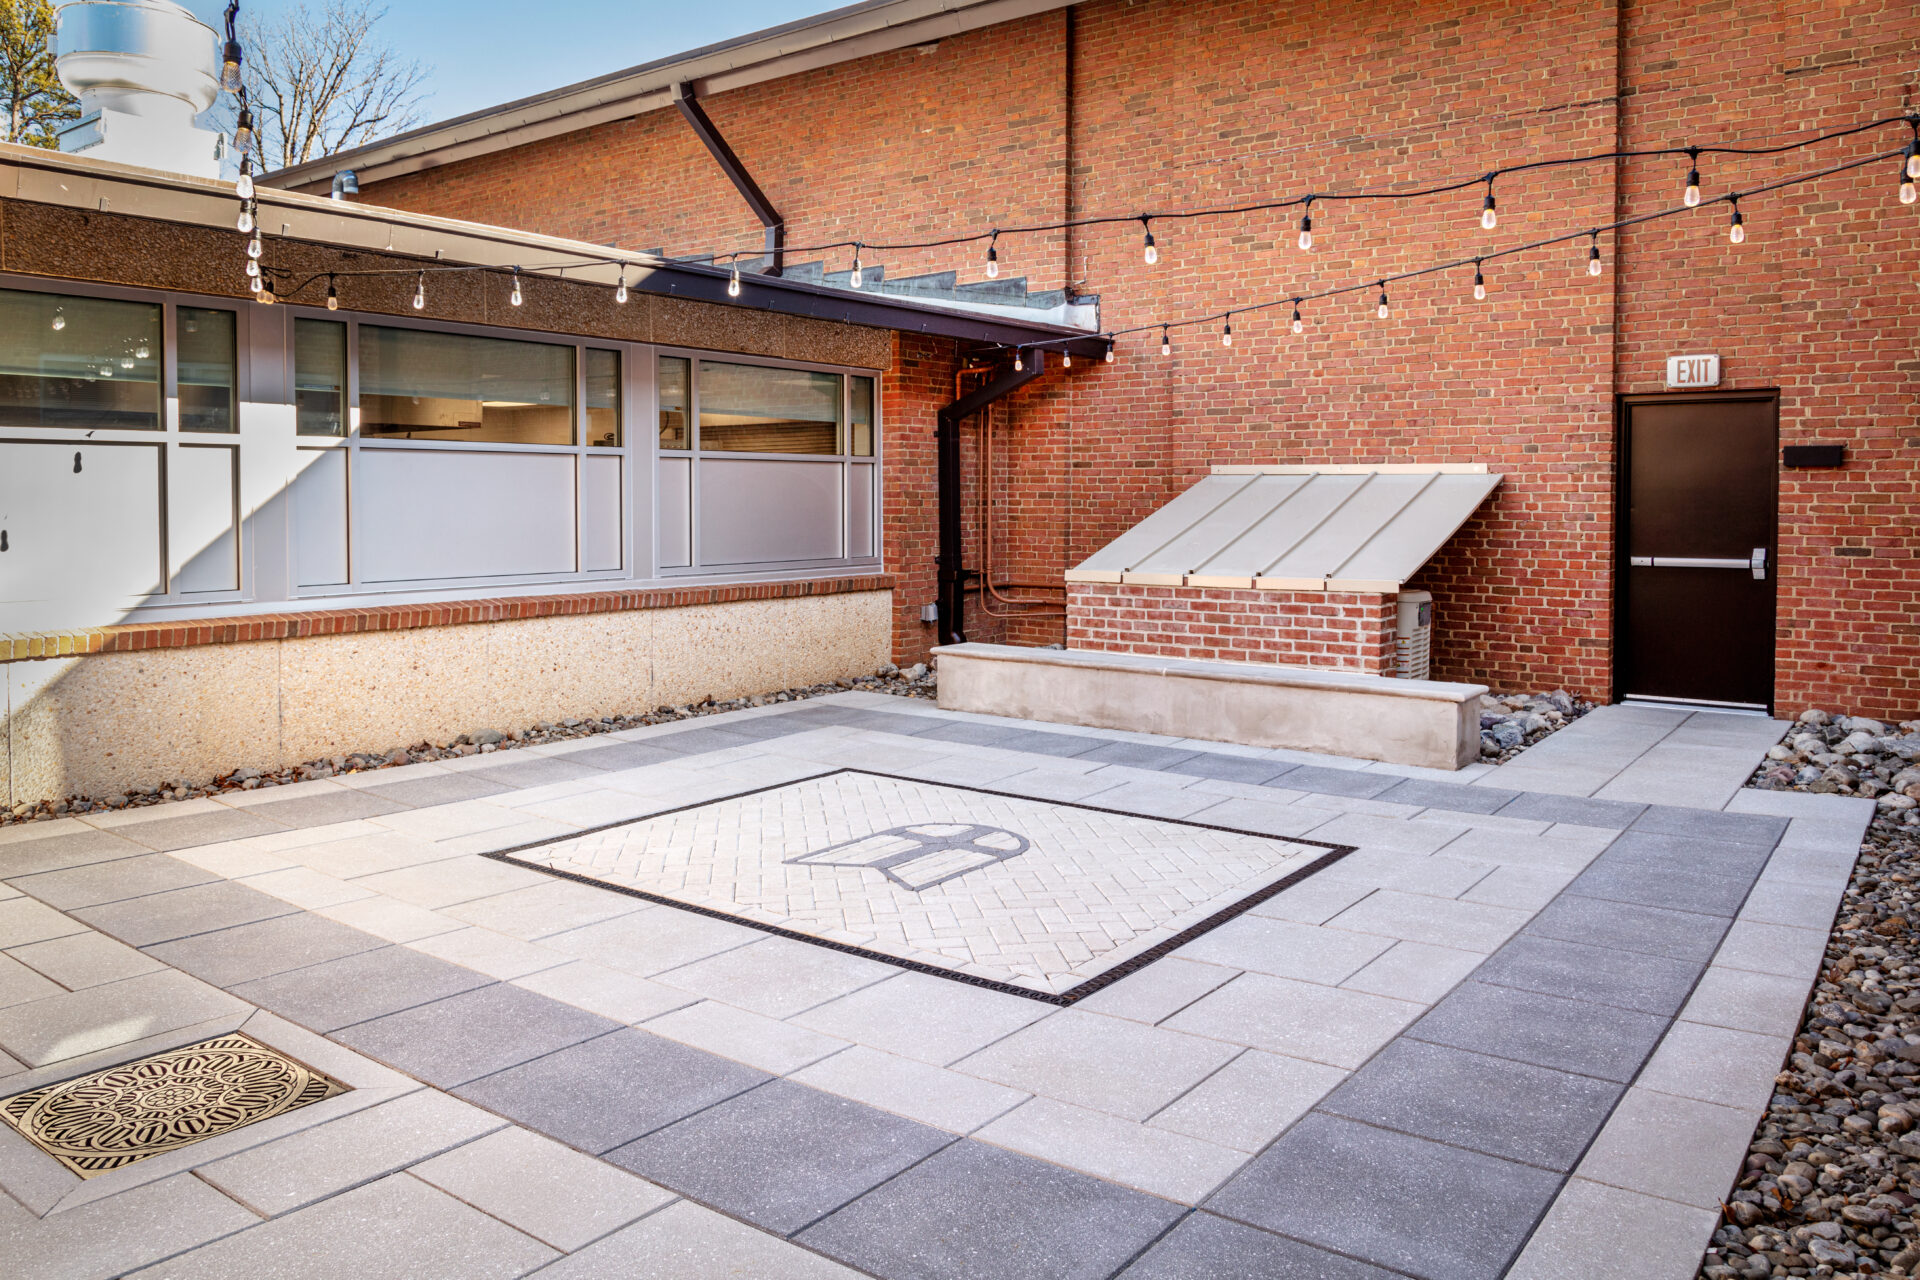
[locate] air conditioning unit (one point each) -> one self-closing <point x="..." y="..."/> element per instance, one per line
<point x="1413" y="636"/>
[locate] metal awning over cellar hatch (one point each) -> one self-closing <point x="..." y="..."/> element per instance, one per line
<point x="1297" y="528"/>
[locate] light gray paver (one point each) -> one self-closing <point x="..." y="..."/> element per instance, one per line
<point x="443" y="884"/>
<point x="484" y="951"/>
<point x="23" y="921"/>
<point x="80" y="1022"/>
<point x="398" y="1228"/>
<point x="765" y="1043"/>
<point x="1597" y="1232"/>
<point x="1178" y="1167"/>
<point x="1298" y="1019"/>
<point x="390" y="918"/>
<point x="917" y="1015"/>
<point x="551" y="1192"/>
<point x="1108" y="1064"/>
<point x="1679" y="1149"/>
<point x="687" y="1242"/>
<point x="1466" y="926"/>
<point x="1261" y="944"/>
<point x="778" y="977"/>
<point x="1772" y="948"/>
<point x="315" y="1163"/>
<point x="1716" y="1064"/>
<point x="542" y="909"/>
<point x="1766" y="1003"/>
<point x="18" y="983"/>
<point x="1248" y="1102"/>
<point x="1415" y="971"/>
<point x="113" y="1237"/>
<point x="1158" y="991"/>
<point x="652" y="941"/>
<point x="932" y="1095"/>
<point x="607" y="992"/>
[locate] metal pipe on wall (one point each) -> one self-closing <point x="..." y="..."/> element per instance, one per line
<point x="952" y="572"/>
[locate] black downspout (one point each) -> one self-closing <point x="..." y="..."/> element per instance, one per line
<point x="749" y="190"/>
<point x="953" y="578"/>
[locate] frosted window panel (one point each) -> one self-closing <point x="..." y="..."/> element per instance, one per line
<point x="207" y="372"/>
<point x="200" y="504"/>
<point x="320" y="518"/>
<point x="417" y="385"/>
<point x="425" y="514"/>
<point x="83" y="545"/>
<point x="603" y="398"/>
<point x="676" y="513"/>
<point x="320" y="377"/>
<point x="78" y="362"/>
<point x="750" y="408"/>
<point x="757" y="511"/>
<point x="600" y="512"/>
<point x="860" y="509"/>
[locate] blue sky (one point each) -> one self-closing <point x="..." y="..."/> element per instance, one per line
<point x="484" y="52"/>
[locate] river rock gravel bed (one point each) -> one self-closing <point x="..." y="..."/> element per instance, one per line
<point x="1832" y="1177"/>
<point x="914" y="682"/>
<point x="1512" y="722"/>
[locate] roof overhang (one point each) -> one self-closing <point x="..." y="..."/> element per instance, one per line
<point x="76" y="181"/>
<point x="840" y="35"/>
<point x="1365" y="528"/>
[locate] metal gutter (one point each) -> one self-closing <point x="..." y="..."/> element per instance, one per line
<point x="840" y="35"/>
<point x="75" y="181"/>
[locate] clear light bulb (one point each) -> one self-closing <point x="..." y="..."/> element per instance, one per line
<point x="1299" y="325"/>
<point x="1066" y="359"/>
<point x="517" y="297"/>
<point x="1692" y="196"/>
<point x="1109" y="356"/>
<point x="1593" y="260"/>
<point x="1479" y="287"/>
<point x="420" y="292"/>
<point x="333" y="297"/>
<point x="267" y="295"/>
<point x="1907" y="193"/>
<point x="859" y="275"/>
<point x="230" y="67"/>
<point x="253" y="268"/>
<point x="1489" y="219"/>
<point x="1383" y="310"/>
<point x="733" y="284"/>
<point x="1306" y="231"/>
<point x="253" y="283"/>
<point x="243" y="185"/>
<point x="1913" y="162"/>
<point x="126" y="362"/>
<point x="244" y="223"/>
<point x="993" y="262"/>
<point x="254" y="247"/>
<point x="142" y="351"/>
<point x="1019" y="362"/>
<point x="1150" y="254"/>
<point x="1166" y="344"/>
<point x="620" y="290"/>
<point x="1226" y="336"/>
<point x="1737" y="229"/>
<point x="59" y="323"/>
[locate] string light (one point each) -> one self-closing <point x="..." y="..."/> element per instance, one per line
<point x="243" y="185"/>
<point x="254" y="247"/>
<point x="1019" y="360"/>
<point x="516" y="299"/>
<point x="1306" y="225"/>
<point x="1479" y="284"/>
<point x="1066" y="358"/>
<point x="1489" y="217"/>
<point x="253" y="283"/>
<point x="1913" y="149"/>
<point x="1109" y="355"/>
<point x="1594" y="267"/>
<point x="243" y="127"/>
<point x="858" y="277"/>
<point x="420" y="292"/>
<point x="620" y="290"/>
<point x="1150" y="253"/>
<point x="1383" y="310"/>
<point x="59" y="321"/>
<point x="1737" y="228"/>
<point x="230" y="55"/>
<point x="267" y="297"/>
<point x="253" y="267"/>
<point x="733" y="282"/>
<point x="1226" y="334"/>
<point x="333" y="295"/>
<point x="1299" y="325"/>
<point x="1691" y="198"/>
<point x="1908" y="164"/>
<point x="993" y="257"/>
<point x="1166" y="342"/>
<point x="244" y="223"/>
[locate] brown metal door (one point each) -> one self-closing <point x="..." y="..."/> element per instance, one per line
<point x="1697" y="560"/>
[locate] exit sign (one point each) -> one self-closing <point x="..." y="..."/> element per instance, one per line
<point x="1693" y="371"/>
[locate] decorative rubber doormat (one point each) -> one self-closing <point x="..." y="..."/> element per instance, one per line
<point x="1038" y="898"/>
<point x="112" y="1118"/>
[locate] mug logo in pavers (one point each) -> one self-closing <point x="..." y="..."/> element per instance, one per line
<point x="923" y="854"/>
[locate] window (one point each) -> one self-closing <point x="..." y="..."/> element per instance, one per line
<point x="603" y="398"/>
<point x="418" y="385"/>
<point x="861" y="416"/>
<point x="673" y="403"/>
<point x="750" y="408"/>
<point x="320" y="377"/>
<point x="205" y="340"/>
<point x="79" y="362"/>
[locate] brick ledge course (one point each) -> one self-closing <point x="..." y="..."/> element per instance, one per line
<point x="188" y="632"/>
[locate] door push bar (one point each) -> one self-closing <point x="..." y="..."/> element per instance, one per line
<point x="1756" y="563"/>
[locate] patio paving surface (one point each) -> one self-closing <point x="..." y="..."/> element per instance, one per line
<point x="1534" y="1003"/>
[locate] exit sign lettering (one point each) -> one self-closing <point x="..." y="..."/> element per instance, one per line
<point x="1693" y="371"/>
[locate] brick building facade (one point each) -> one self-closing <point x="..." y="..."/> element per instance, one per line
<point x="1112" y="106"/>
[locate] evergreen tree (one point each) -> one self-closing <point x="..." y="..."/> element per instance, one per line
<point x="35" y="103"/>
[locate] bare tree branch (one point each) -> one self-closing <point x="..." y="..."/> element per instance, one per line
<point x="321" y="82"/>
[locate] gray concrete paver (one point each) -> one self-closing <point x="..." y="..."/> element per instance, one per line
<point x="556" y="1195"/>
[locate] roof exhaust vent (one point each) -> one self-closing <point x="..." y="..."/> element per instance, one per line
<point x="143" y="69"/>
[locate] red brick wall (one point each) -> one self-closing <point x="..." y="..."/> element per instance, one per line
<point x="1118" y="105"/>
<point x="1345" y="630"/>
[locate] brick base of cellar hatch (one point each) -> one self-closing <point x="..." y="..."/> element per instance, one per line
<point x="1340" y="630"/>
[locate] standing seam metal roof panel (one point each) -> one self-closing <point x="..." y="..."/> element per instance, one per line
<point x="1296" y="528"/>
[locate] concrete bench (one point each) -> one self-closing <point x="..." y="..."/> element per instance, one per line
<point x="1418" y="722"/>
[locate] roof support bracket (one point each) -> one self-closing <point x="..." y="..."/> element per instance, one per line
<point x="703" y="128"/>
<point x="953" y="579"/>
